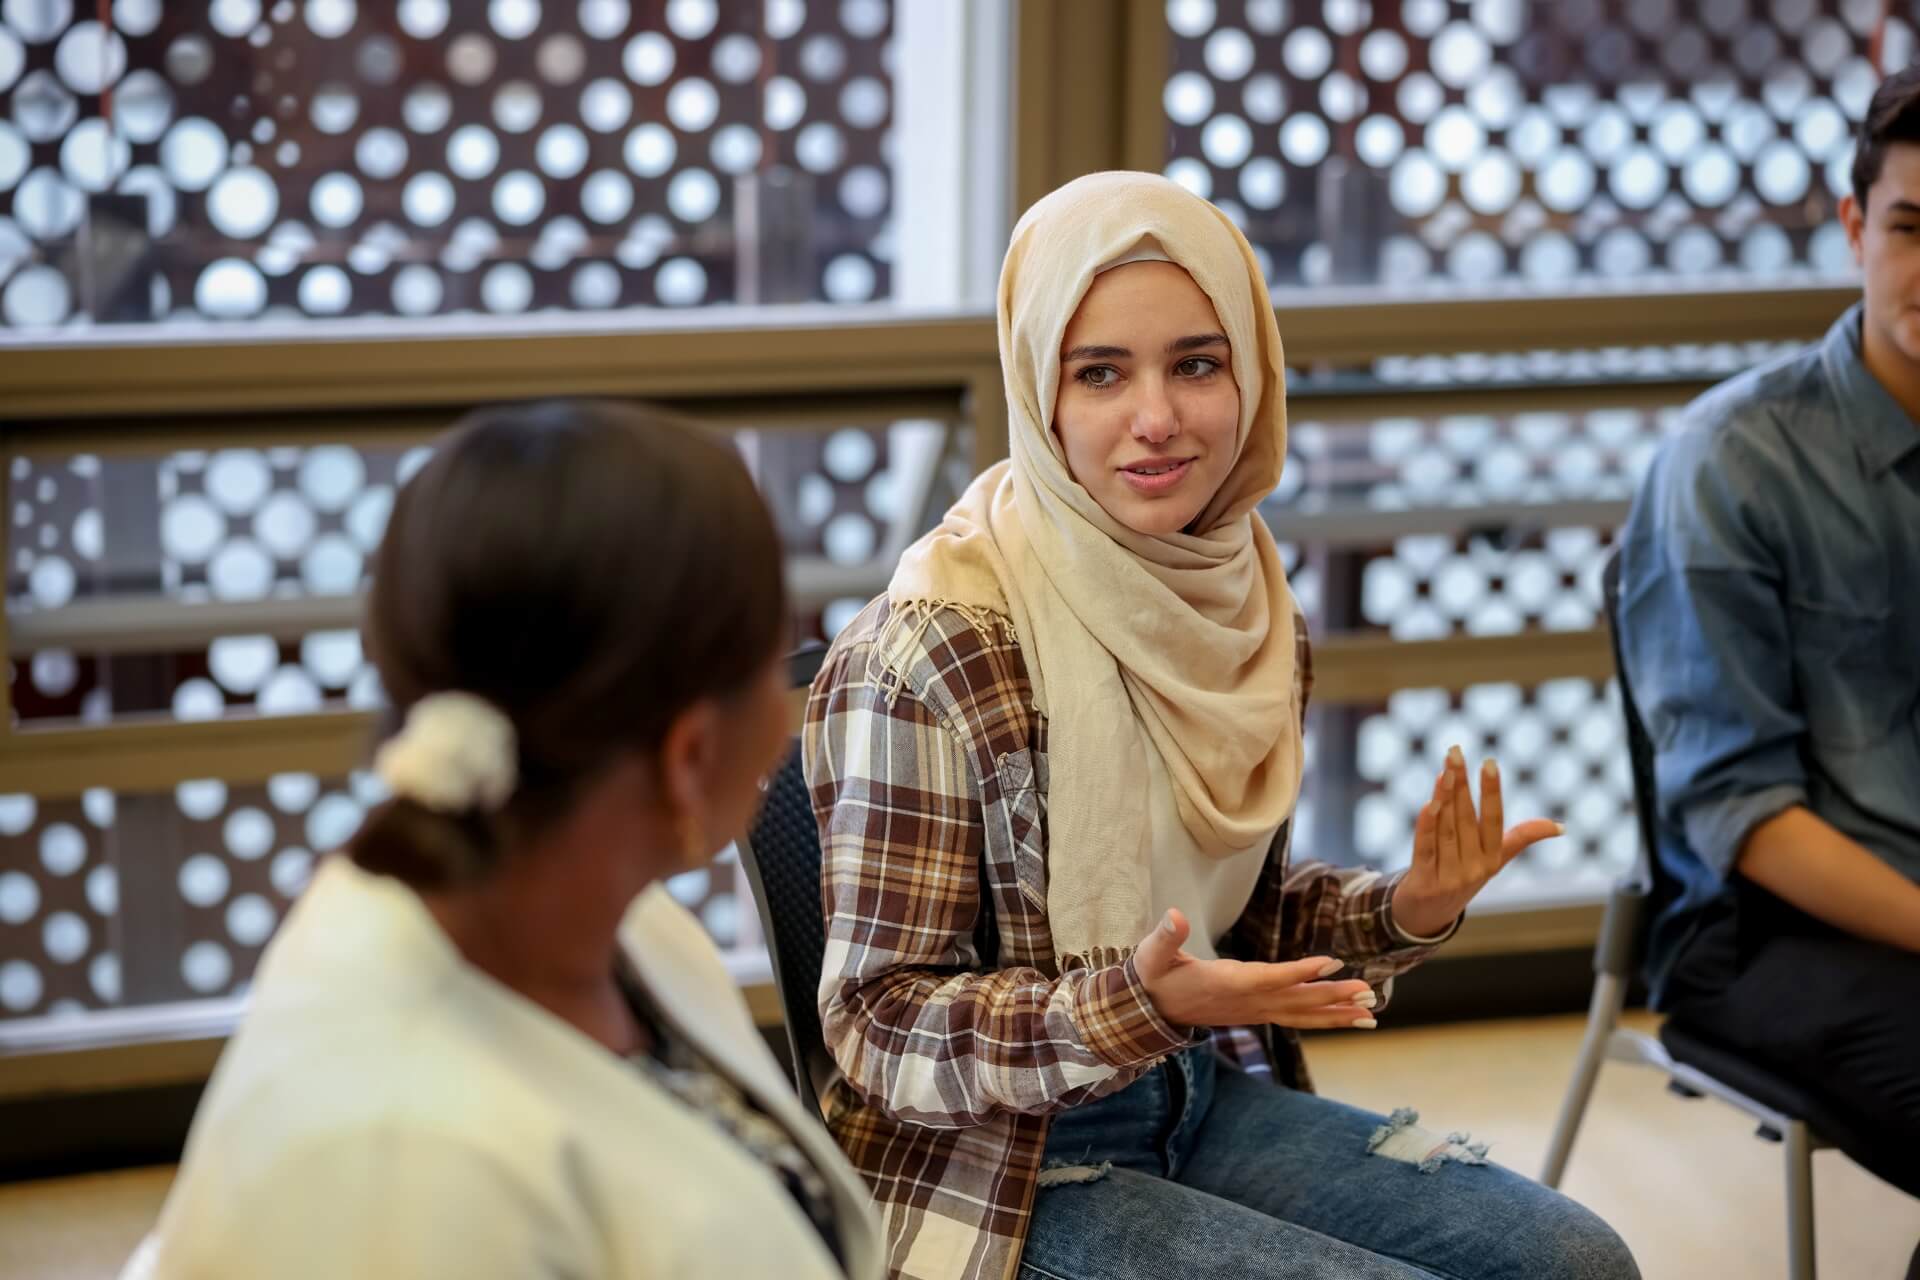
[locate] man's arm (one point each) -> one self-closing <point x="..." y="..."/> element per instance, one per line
<point x="1709" y="657"/>
<point x="1797" y="856"/>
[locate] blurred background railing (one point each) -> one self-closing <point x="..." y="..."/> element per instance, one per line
<point x="254" y="256"/>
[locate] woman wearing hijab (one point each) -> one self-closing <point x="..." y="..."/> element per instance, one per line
<point x="1054" y="767"/>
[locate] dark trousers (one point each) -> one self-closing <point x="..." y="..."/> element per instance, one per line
<point x="1831" y="1013"/>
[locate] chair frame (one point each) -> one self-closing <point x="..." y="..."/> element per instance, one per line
<point x="810" y="1064"/>
<point x="1617" y="957"/>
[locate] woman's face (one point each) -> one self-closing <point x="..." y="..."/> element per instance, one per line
<point x="1147" y="411"/>
<point x="750" y="732"/>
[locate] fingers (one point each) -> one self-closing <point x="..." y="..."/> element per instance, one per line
<point x="1466" y="822"/>
<point x="1447" y="830"/>
<point x="1233" y="993"/>
<point x="1160" y="949"/>
<point x="1527" y="834"/>
<point x="1316" y="996"/>
<point x="1274" y="979"/>
<point x="1426" y="848"/>
<point x="1339" y="1018"/>
<point x="1323" y="1004"/>
<point x="1492" y="810"/>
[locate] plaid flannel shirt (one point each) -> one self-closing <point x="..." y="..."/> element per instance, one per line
<point x="927" y="766"/>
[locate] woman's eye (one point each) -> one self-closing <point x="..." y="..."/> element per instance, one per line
<point x="1196" y="367"/>
<point x="1098" y="375"/>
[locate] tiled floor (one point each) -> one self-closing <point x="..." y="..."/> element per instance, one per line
<point x="1686" y="1183"/>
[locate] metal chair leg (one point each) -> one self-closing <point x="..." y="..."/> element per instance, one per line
<point x="1797" y="1150"/>
<point x="1603" y="1015"/>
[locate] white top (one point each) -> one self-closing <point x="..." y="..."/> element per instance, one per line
<point x="389" y="1110"/>
<point x="1213" y="892"/>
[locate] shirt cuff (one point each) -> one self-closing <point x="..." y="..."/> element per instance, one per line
<point x="1119" y="1023"/>
<point x="1716" y="829"/>
<point x="1403" y="938"/>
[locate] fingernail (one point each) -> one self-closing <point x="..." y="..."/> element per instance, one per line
<point x="1559" y="828"/>
<point x="1365" y="1024"/>
<point x="1166" y="922"/>
<point x="1332" y="967"/>
<point x="1489" y="768"/>
<point x="1366" y="1000"/>
<point x="1456" y="757"/>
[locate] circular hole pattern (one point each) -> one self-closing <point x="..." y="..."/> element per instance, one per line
<point x="263" y="148"/>
<point x="1486" y="122"/>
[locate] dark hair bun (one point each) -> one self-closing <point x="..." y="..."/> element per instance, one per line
<point x="429" y="850"/>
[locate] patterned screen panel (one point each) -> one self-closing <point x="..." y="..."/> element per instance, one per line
<point x="59" y="902"/>
<point x="1527" y="567"/>
<point x="246" y="158"/>
<point x="110" y="901"/>
<point x="1459" y="143"/>
<point x="254" y="525"/>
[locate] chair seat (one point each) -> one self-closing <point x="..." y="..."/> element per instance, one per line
<point x="1733" y="1068"/>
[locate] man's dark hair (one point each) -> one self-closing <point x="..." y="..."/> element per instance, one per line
<point x="1893" y="116"/>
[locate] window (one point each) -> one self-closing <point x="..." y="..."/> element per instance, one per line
<point x="1440" y="144"/>
<point x="251" y="159"/>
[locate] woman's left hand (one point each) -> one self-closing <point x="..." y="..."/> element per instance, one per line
<point x="1456" y="851"/>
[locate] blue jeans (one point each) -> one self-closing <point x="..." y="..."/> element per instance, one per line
<point x="1199" y="1170"/>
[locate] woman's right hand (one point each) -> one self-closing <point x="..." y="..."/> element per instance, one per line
<point x="1237" y="993"/>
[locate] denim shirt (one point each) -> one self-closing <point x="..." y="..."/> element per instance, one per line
<point x="1770" y="618"/>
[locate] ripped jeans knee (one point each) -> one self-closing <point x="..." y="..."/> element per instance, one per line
<point x="1401" y="1138"/>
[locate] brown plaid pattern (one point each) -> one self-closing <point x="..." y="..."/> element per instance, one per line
<point x="928" y="770"/>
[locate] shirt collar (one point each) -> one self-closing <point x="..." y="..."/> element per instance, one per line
<point x="1881" y="428"/>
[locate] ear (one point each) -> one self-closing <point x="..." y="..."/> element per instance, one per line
<point x="688" y="756"/>
<point x="1854" y="219"/>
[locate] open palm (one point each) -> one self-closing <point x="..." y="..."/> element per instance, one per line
<point x="1457" y="850"/>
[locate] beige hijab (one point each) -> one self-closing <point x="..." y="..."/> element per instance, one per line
<point x="1165" y="665"/>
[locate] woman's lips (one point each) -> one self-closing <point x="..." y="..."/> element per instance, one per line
<point x="1157" y="479"/>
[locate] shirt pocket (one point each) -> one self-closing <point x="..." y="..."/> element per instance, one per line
<point x="1022" y="776"/>
<point x="1849" y="671"/>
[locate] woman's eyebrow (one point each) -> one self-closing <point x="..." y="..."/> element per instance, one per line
<point x="1096" y="351"/>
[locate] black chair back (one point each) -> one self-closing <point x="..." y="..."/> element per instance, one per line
<point x="781" y="854"/>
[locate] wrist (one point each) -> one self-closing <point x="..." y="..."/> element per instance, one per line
<point x="1420" y="917"/>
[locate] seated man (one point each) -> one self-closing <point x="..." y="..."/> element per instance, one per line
<point x="1770" y="612"/>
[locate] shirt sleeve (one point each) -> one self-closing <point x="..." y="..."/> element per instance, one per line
<point x="1706" y="643"/>
<point x="917" y="1027"/>
<point x="1314" y="908"/>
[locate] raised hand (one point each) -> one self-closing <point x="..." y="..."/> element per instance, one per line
<point x="1190" y="992"/>
<point x="1457" y="851"/>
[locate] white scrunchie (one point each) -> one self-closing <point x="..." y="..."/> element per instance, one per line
<point x="455" y="754"/>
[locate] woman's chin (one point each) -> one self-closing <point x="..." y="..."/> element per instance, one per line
<point x="1154" y="519"/>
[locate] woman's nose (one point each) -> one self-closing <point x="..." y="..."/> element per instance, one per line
<point x="1154" y="419"/>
